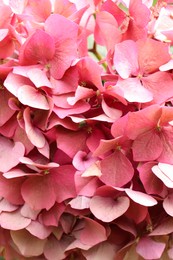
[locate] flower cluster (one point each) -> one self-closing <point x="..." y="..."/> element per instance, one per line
<point x="86" y="129"/>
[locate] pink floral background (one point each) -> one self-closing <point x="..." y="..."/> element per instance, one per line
<point x="86" y="129"/>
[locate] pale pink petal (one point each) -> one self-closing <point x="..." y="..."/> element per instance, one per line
<point x="133" y="91"/>
<point x="27" y="244"/>
<point x="28" y="212"/>
<point x="116" y="170"/>
<point x="64" y="7"/>
<point x="38" y="230"/>
<point x="17" y="6"/>
<point x="5" y="205"/>
<point x="110" y="111"/>
<point x="13" y="220"/>
<point x="82" y="161"/>
<point x="34" y="134"/>
<point x="167" y="66"/>
<point x="12" y="150"/>
<point x="108" y="209"/>
<point x="150" y="249"/>
<point x="164" y="172"/>
<point x="39" y="78"/>
<point x="32" y="97"/>
<point x="141" y="198"/>
<point x="92" y="170"/>
<point x="39" y="10"/>
<point x="126" y="59"/>
<point x="80" y="93"/>
<point x="80" y="202"/>
<point x="168" y="205"/>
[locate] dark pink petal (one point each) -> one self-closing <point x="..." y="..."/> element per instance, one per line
<point x="133" y="208"/>
<point x="116" y="170"/>
<point x="92" y="232"/>
<point x="126" y="59"/>
<point x="106" y="30"/>
<point x="147" y="146"/>
<point x="65" y="43"/>
<point x="151" y="183"/>
<point x="160" y="85"/>
<point x="86" y="186"/>
<point x="104" y="250"/>
<point x="40" y="47"/>
<point x="11" y="190"/>
<point x="38" y="192"/>
<point x="55" y="249"/>
<point x="64" y="185"/>
<point x="12" y="150"/>
<point x="13" y="220"/>
<point x="52" y="216"/>
<point x="133" y="91"/>
<point x="32" y="97"/>
<point x="27" y="244"/>
<point x="164" y="228"/>
<point x="149" y="55"/>
<point x="5" y="112"/>
<point x="76" y="139"/>
<point x="38" y="230"/>
<point x="141" y="198"/>
<point x="167" y="142"/>
<point x="150" y="249"/>
<point x="108" y="209"/>
<point x="168" y="204"/>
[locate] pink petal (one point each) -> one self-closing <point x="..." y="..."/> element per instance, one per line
<point x="108" y="209"/>
<point x="116" y="170"/>
<point x="66" y="43"/>
<point x="38" y="230"/>
<point x="141" y="198"/>
<point x="82" y="161"/>
<point x="12" y="150"/>
<point x="160" y="85"/>
<point x="28" y="212"/>
<point x="13" y="220"/>
<point x="168" y="205"/>
<point x="92" y="170"/>
<point x="27" y="244"/>
<point x="126" y="59"/>
<point x="38" y="192"/>
<point x="137" y="7"/>
<point x="39" y="10"/>
<point x="106" y="30"/>
<point x="110" y="111"/>
<point x="5" y="205"/>
<point x="40" y="47"/>
<point x="149" y="54"/>
<point x="147" y="146"/>
<point x="30" y="96"/>
<point x="150" y="249"/>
